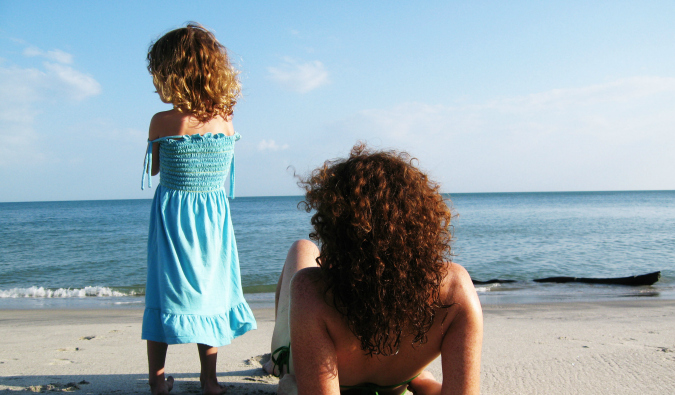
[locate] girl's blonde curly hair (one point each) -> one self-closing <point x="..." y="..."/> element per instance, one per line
<point x="191" y="70"/>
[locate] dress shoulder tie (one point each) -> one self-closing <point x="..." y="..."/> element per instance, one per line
<point x="147" y="165"/>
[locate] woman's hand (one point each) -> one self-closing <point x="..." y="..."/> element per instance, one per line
<point x="425" y="384"/>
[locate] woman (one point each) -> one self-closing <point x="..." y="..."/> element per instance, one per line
<point x="377" y="302"/>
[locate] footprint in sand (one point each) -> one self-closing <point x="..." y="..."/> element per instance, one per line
<point x="88" y="338"/>
<point x="69" y="349"/>
<point x="260" y="380"/>
<point x="190" y="387"/>
<point x="258" y="360"/>
<point x="61" y="362"/>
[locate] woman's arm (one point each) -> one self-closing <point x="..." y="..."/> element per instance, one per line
<point x="462" y="342"/>
<point x="313" y="352"/>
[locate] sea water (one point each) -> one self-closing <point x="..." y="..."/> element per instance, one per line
<point x="84" y="254"/>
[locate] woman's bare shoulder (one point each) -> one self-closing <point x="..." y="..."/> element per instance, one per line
<point x="458" y="288"/>
<point x="306" y="284"/>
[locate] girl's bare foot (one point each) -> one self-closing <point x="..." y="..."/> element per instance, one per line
<point x="162" y="387"/>
<point x="211" y="387"/>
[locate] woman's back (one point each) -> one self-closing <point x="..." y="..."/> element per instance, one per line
<point x="357" y="368"/>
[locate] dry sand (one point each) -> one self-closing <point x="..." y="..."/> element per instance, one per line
<point x="620" y="347"/>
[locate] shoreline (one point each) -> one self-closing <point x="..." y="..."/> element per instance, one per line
<point x="490" y="294"/>
<point x="608" y="347"/>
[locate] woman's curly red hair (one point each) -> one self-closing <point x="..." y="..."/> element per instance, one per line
<point x="191" y="70"/>
<point x="384" y="234"/>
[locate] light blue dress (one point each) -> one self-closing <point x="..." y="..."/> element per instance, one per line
<point x="193" y="292"/>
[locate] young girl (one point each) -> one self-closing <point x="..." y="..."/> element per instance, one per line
<point x="193" y="291"/>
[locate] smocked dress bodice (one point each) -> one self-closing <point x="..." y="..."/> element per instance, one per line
<point x="194" y="163"/>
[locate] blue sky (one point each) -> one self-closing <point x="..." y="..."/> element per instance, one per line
<point x="489" y="96"/>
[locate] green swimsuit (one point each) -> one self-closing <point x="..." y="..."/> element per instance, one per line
<point x="373" y="389"/>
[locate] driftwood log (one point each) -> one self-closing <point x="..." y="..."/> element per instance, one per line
<point x="493" y="281"/>
<point x="643" y="279"/>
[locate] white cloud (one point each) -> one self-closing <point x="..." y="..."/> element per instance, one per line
<point x="55" y="55"/>
<point x="22" y="88"/>
<point x="300" y="77"/>
<point x="596" y="137"/>
<point x="271" y="145"/>
<point x="71" y="83"/>
<point x="25" y="92"/>
<point x="623" y="90"/>
<point x="594" y="110"/>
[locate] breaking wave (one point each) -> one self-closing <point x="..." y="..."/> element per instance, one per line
<point x="41" y="292"/>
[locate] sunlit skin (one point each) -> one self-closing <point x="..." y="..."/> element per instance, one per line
<point x="325" y="353"/>
<point x="176" y="123"/>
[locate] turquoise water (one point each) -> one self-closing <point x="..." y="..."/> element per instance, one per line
<point x="85" y="253"/>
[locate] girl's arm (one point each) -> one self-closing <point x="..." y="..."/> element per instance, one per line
<point x="313" y="353"/>
<point x="462" y="343"/>
<point x="155" y="159"/>
<point x="154" y="133"/>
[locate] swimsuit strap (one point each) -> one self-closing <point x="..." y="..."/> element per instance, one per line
<point x="282" y="360"/>
<point x="370" y="388"/>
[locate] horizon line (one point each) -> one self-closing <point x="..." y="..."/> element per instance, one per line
<point x="282" y="196"/>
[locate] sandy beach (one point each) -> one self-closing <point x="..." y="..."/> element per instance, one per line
<point x="616" y="347"/>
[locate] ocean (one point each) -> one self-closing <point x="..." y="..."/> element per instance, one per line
<point x="92" y="254"/>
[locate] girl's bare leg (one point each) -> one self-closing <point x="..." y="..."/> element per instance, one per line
<point x="208" y="357"/>
<point x="302" y="254"/>
<point x="156" y="360"/>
